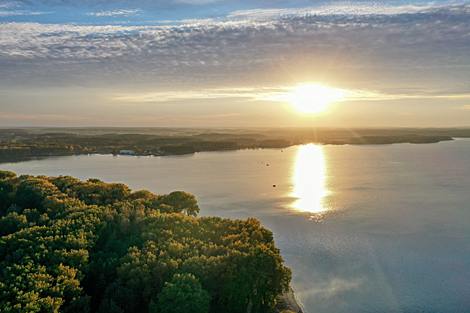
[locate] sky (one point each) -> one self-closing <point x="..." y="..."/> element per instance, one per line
<point x="238" y="63"/>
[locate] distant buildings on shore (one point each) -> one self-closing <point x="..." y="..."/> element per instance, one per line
<point x="127" y="152"/>
<point x="133" y="152"/>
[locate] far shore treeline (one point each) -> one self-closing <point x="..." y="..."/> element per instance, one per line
<point x="37" y="142"/>
<point x="73" y="246"/>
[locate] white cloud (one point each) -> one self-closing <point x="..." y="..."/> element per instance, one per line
<point x="6" y="5"/>
<point x="365" y="52"/>
<point x="252" y="93"/>
<point x="116" y="12"/>
<point x="11" y="9"/>
<point x="281" y="93"/>
<point x="341" y="8"/>
<point x="158" y="4"/>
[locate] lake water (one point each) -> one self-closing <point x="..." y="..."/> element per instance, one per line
<point x="364" y="228"/>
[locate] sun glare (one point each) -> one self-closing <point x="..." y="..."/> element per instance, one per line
<point x="309" y="180"/>
<point x="312" y="99"/>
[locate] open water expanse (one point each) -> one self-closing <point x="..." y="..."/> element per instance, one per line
<point x="377" y="228"/>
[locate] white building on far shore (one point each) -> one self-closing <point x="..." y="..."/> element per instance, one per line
<point x="127" y="152"/>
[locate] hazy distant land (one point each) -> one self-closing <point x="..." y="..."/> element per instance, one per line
<point x="26" y="142"/>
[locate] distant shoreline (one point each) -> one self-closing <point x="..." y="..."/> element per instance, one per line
<point x="368" y="140"/>
<point x="17" y="144"/>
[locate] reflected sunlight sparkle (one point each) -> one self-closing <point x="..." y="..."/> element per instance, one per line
<point x="309" y="180"/>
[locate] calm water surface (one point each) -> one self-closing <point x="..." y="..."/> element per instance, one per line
<point x="364" y="228"/>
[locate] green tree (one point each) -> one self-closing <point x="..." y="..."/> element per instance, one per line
<point x="7" y="175"/>
<point x="182" y="202"/>
<point x="32" y="191"/>
<point x="6" y="188"/>
<point x="184" y="294"/>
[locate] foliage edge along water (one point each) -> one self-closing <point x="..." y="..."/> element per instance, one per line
<point x="74" y="246"/>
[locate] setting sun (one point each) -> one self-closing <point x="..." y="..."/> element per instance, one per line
<point x="312" y="99"/>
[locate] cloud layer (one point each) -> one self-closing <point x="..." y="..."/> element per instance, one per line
<point x="378" y="52"/>
<point x="430" y="46"/>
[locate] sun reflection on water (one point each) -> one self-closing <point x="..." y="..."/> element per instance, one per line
<point x="309" y="180"/>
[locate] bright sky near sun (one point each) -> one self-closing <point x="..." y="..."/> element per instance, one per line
<point x="242" y="63"/>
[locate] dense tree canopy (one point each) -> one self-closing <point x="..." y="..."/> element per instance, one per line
<point x="73" y="246"/>
<point x="183" y="294"/>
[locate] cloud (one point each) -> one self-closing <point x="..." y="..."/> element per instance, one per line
<point x="384" y="54"/>
<point x="341" y="9"/>
<point x="36" y="117"/>
<point x="250" y="93"/>
<point x="116" y="12"/>
<point x="217" y="116"/>
<point x="21" y="12"/>
<point x="190" y="22"/>
<point x="6" y="5"/>
<point x="158" y="4"/>
<point x="281" y="93"/>
<point x="12" y="9"/>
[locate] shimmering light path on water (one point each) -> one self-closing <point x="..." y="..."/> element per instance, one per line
<point x="385" y="230"/>
<point x="309" y="180"/>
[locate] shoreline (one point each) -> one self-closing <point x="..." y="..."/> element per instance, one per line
<point x="355" y="141"/>
<point x="288" y="301"/>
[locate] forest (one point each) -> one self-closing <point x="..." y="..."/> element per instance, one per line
<point x="89" y="246"/>
<point x="39" y="142"/>
<point x="24" y="143"/>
